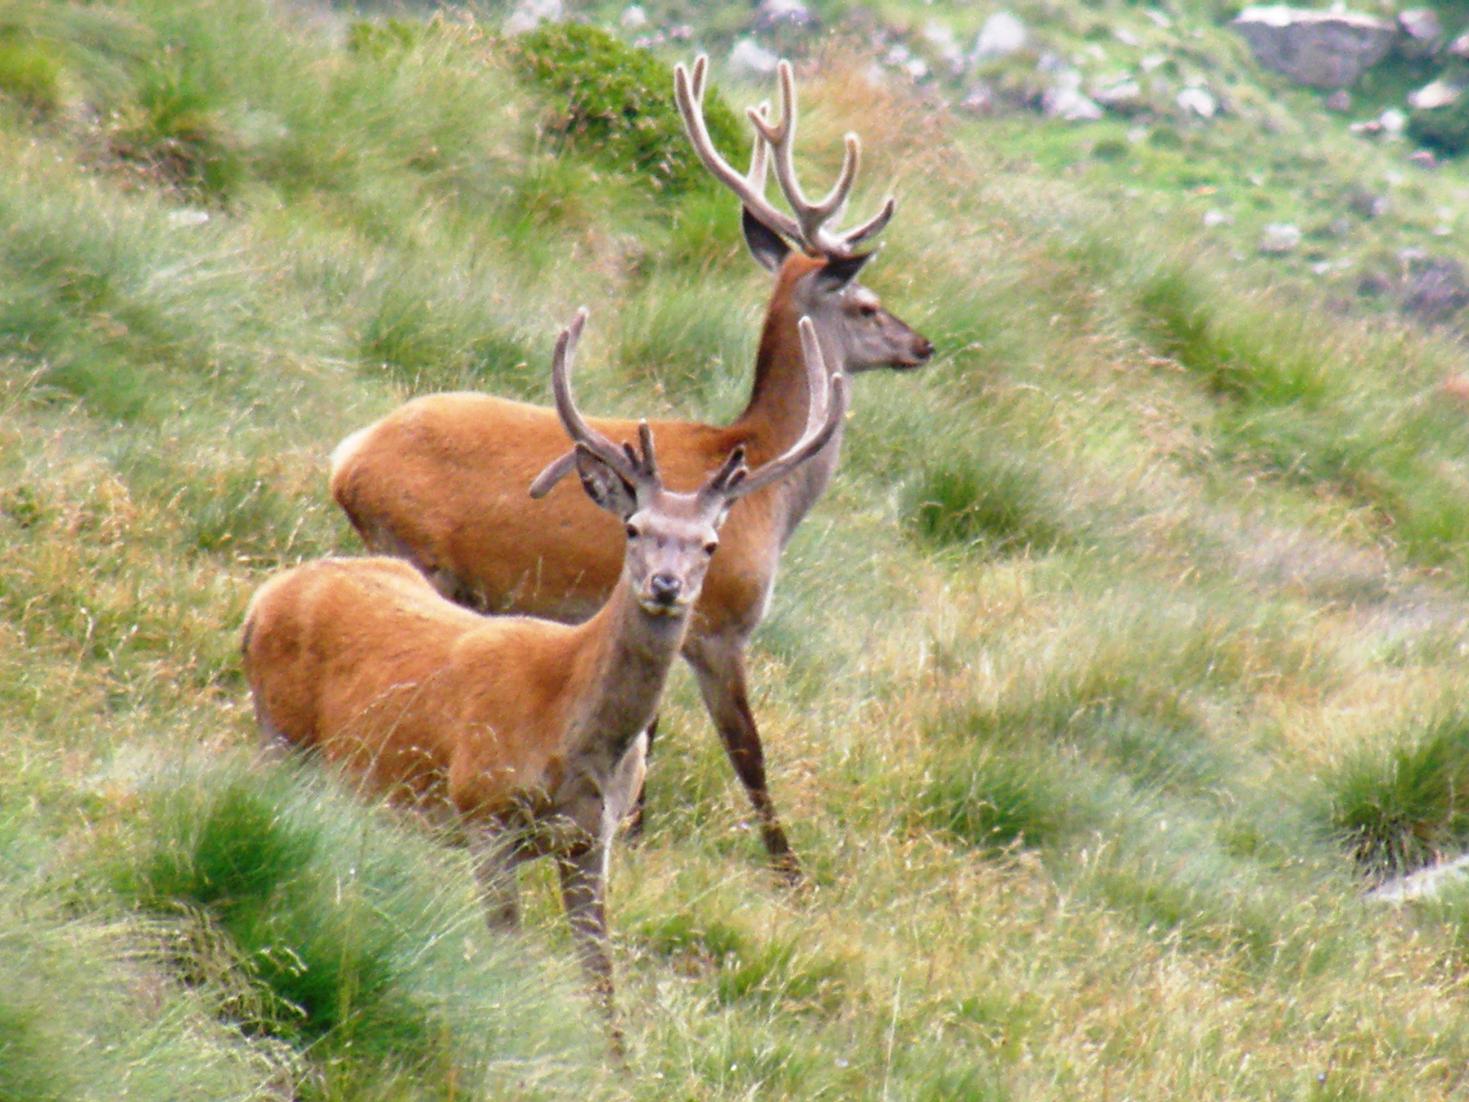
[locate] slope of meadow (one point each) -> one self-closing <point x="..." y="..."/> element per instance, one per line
<point x="1126" y="650"/>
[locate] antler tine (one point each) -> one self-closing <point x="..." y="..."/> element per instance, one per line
<point x="730" y="474"/>
<point x="688" y="95"/>
<point x="649" y="466"/>
<point x="813" y="216"/>
<point x="822" y="419"/>
<point x="577" y="428"/>
<point x="873" y="226"/>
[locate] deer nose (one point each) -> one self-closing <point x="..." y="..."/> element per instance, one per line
<point x="665" y="588"/>
<point x="923" y="349"/>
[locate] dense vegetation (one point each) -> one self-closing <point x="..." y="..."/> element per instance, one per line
<point x="1125" y="651"/>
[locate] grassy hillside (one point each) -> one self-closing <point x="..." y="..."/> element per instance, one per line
<point x="1126" y="650"/>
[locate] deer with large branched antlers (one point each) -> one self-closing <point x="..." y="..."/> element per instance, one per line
<point x="530" y="734"/>
<point x="438" y="481"/>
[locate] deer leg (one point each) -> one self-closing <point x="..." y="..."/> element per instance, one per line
<point x="496" y="859"/>
<point x="637" y="820"/>
<point x="720" y="669"/>
<point x="583" y="872"/>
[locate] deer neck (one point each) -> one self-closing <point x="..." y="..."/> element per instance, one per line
<point x="779" y="405"/>
<point x="626" y="657"/>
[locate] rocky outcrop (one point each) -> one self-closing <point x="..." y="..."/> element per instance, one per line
<point x="1320" y="48"/>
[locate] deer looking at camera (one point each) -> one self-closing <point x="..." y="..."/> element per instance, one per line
<point x="529" y="733"/>
<point x="440" y="480"/>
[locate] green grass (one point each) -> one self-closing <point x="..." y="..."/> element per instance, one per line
<point x="1108" y="672"/>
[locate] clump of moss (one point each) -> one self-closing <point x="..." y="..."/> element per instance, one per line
<point x="618" y="104"/>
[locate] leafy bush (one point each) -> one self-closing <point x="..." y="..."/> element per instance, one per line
<point x="619" y="104"/>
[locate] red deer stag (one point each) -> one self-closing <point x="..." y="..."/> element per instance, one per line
<point x="529" y="733"/>
<point x="439" y="481"/>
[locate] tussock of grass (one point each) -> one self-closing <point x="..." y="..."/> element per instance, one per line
<point x="353" y="949"/>
<point x="1400" y="804"/>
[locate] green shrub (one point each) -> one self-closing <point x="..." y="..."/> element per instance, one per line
<point x="30" y="71"/>
<point x="1445" y="129"/>
<point x="1401" y="807"/>
<point x="618" y="105"/>
<point x="174" y="131"/>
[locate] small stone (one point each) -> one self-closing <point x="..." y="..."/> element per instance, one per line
<point x="1002" y="35"/>
<point x="1367" y="205"/>
<point x="750" y="58"/>
<point x="1393" y="121"/>
<point x="1421" y="32"/>
<point x="1197" y="101"/>
<point x="1280" y="238"/>
<point x="1423" y="158"/>
<point x="1340" y="100"/>
<point x="1070" y="104"/>
<point x="1459" y="47"/>
<point x="980" y="100"/>
<point x="1120" y="94"/>
<point x="1126" y="37"/>
<point x="633" y="18"/>
<point x="1214" y="217"/>
<point x="188" y="216"/>
<point x="530" y="14"/>
<point x="1440" y="93"/>
<point x="775" y="13"/>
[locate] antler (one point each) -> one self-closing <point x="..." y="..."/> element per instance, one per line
<point x="808" y="226"/>
<point x="638" y="471"/>
<point x="822" y="419"/>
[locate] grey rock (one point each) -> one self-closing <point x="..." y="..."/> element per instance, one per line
<point x="1065" y="101"/>
<point x="1340" y="100"/>
<point x="1367" y="205"/>
<point x="979" y="99"/>
<point x="1325" y="49"/>
<point x="1435" y="289"/>
<point x="1197" y="101"/>
<point x="527" y="15"/>
<point x="1393" y="122"/>
<point x="1459" y="47"/>
<point x="1439" y="93"/>
<point x="747" y="57"/>
<point x="1280" y="238"/>
<point x="1214" y="217"/>
<point x="1423" y="158"/>
<point x="778" y="13"/>
<point x="633" y="18"/>
<point x="1120" y="94"/>
<point x="1425" y="883"/>
<point x="1002" y="35"/>
<point x="1422" y="32"/>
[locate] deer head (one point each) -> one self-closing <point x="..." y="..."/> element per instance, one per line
<point x="672" y="536"/>
<point x="816" y="263"/>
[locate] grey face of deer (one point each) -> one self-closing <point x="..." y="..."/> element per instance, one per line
<point x="671" y="537"/>
<point x="856" y="333"/>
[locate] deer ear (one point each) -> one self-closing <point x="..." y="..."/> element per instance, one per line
<point x="839" y="271"/>
<point x="604" y="485"/>
<point x="768" y="247"/>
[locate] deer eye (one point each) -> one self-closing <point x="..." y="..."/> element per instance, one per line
<point x="711" y="547"/>
<point x="867" y="310"/>
<point x="632" y="531"/>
